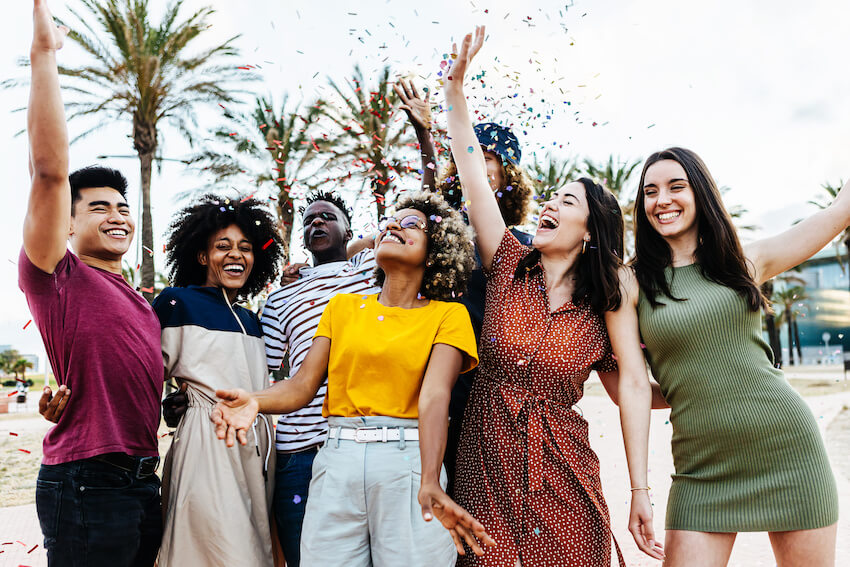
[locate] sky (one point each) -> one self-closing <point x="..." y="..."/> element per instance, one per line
<point x="758" y="89"/>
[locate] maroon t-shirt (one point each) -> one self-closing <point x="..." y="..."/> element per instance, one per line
<point x="103" y="341"/>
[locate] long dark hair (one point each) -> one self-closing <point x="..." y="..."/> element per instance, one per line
<point x="597" y="281"/>
<point x="719" y="254"/>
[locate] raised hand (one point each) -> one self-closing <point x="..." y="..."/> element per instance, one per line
<point x="461" y="525"/>
<point x="233" y="415"/>
<point x="418" y="109"/>
<point x="640" y="525"/>
<point x="469" y="48"/>
<point x="47" y="35"/>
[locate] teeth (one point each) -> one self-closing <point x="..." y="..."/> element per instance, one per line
<point x="547" y="221"/>
<point x="234" y="268"/>
<point x="394" y="237"/>
<point x="669" y="216"/>
<point x="117" y="232"/>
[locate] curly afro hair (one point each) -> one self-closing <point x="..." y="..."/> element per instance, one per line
<point x="515" y="198"/>
<point x="449" y="259"/>
<point x="192" y="227"/>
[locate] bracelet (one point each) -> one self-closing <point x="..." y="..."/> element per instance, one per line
<point x="640" y="488"/>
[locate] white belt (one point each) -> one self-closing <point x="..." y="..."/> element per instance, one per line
<point x="374" y="434"/>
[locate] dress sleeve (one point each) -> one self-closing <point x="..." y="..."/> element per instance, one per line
<point x="607" y="363"/>
<point x="505" y="261"/>
<point x="456" y="330"/>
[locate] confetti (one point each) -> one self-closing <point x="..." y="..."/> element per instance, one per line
<point x="13" y="434"/>
<point x="28" y="324"/>
<point x="470" y="149"/>
<point x="25" y="451"/>
<point x="296" y="499"/>
<point x="380" y="317"/>
<point x="269" y="243"/>
<point x="147" y="290"/>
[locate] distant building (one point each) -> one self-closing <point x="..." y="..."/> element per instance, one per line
<point x="824" y="314"/>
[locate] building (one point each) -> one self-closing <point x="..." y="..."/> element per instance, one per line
<point x="823" y="313"/>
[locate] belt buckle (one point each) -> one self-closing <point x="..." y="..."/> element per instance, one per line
<point x="143" y="469"/>
<point x="360" y="434"/>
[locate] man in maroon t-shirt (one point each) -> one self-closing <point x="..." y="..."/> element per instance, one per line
<point x="97" y="494"/>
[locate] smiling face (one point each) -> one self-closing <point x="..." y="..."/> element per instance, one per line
<point x="101" y="224"/>
<point x="397" y="246"/>
<point x="563" y="221"/>
<point x="229" y="258"/>
<point x="668" y="200"/>
<point x="326" y="232"/>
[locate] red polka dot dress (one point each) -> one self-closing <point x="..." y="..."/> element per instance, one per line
<point x="525" y="466"/>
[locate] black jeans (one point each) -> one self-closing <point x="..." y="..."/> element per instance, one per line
<point x="94" y="514"/>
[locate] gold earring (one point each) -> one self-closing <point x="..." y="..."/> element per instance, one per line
<point x="583" y="246"/>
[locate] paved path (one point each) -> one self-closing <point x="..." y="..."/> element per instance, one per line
<point x="19" y="524"/>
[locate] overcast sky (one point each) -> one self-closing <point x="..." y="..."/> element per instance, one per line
<point x="759" y="89"/>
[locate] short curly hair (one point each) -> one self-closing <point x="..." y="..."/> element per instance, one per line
<point x="192" y="227"/>
<point x="327" y="197"/>
<point x="449" y="259"/>
<point x="514" y="201"/>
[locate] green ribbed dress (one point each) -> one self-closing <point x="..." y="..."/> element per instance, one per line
<point x="746" y="447"/>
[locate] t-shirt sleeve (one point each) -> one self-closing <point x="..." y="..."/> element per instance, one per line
<point x="456" y="330"/>
<point x="324" y="329"/>
<point x="363" y="259"/>
<point x="34" y="280"/>
<point x="273" y="335"/>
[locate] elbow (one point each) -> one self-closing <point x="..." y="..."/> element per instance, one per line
<point x="48" y="172"/>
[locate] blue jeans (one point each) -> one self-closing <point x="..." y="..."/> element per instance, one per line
<point x="94" y="514"/>
<point x="293" y="472"/>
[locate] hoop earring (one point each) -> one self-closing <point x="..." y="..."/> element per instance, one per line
<point x="583" y="246"/>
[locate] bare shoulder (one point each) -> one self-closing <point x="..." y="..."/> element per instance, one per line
<point x="628" y="284"/>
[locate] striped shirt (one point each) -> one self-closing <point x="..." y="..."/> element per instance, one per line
<point x="290" y="319"/>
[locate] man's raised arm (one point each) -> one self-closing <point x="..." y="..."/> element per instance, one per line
<point x="48" y="219"/>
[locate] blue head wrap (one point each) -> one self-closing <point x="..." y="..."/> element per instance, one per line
<point x="499" y="140"/>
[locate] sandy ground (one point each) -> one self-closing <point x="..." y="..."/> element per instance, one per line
<point x="824" y="389"/>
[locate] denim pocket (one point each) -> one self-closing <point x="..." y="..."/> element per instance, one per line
<point x="103" y="477"/>
<point x="48" y="503"/>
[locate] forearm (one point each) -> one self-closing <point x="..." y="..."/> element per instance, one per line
<point x="635" y="403"/>
<point x="428" y="157"/>
<point x="46" y="128"/>
<point x="433" y="427"/>
<point x="285" y="396"/>
<point x="357" y="245"/>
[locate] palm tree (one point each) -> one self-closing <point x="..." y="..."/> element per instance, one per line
<point x="141" y="71"/>
<point x="368" y="140"/>
<point x="7" y="360"/>
<point x="770" y="324"/>
<point x="272" y="148"/>
<point x="551" y="174"/>
<point x="822" y="202"/>
<point x="20" y="367"/>
<point x="787" y="298"/>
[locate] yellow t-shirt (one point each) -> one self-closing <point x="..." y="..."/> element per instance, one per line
<point x="379" y="354"/>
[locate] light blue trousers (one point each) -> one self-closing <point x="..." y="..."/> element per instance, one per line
<point x="363" y="509"/>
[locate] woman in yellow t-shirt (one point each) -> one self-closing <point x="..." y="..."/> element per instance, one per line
<point x="391" y="360"/>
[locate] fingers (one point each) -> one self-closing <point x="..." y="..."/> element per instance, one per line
<point x="458" y="542"/>
<point x="227" y="395"/>
<point x="46" y="396"/>
<point x="413" y="90"/>
<point x="183" y="387"/>
<point x="242" y="435"/>
<point x="230" y="436"/>
<point x="469" y="539"/>
<point x="427" y="514"/>
<point x="401" y="93"/>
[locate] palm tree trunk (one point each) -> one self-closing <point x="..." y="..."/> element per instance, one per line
<point x="770" y="323"/>
<point x="797" y="341"/>
<point x="285" y="214"/>
<point x="789" y="320"/>
<point x="148" y="270"/>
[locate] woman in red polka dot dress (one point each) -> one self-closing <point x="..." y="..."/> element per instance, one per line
<point x="525" y="466"/>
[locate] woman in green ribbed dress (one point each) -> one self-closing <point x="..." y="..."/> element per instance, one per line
<point x="746" y="448"/>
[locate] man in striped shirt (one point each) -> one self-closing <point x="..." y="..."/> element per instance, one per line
<point x="289" y="321"/>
